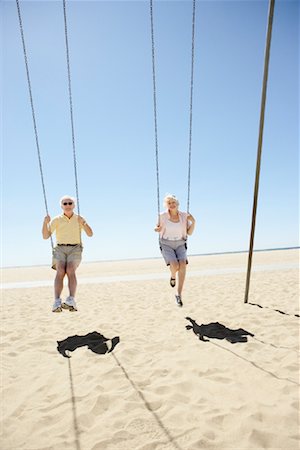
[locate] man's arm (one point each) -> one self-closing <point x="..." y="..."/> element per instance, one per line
<point x="45" y="230"/>
<point x="87" y="229"/>
<point x="85" y="226"/>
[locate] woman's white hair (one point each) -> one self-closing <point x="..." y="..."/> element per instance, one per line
<point x="170" y="197"/>
<point x="67" y="197"/>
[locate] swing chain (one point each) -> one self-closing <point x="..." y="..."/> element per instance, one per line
<point x="71" y="105"/>
<point x="154" y="106"/>
<point x="33" y="112"/>
<point x="191" y="106"/>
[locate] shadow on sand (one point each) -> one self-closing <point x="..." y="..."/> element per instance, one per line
<point x="216" y="330"/>
<point x="276" y="310"/>
<point x="94" y="341"/>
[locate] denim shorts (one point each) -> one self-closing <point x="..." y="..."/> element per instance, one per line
<point x="173" y="251"/>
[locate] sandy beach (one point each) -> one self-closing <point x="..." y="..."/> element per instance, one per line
<point x="161" y="387"/>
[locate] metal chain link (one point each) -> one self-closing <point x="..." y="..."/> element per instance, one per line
<point x="154" y="107"/>
<point x="191" y="106"/>
<point x="71" y="105"/>
<point x="71" y="112"/>
<point x="33" y="113"/>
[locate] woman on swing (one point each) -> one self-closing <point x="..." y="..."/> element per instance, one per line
<point x="173" y="228"/>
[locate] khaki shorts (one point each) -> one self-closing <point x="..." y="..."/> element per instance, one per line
<point x="66" y="253"/>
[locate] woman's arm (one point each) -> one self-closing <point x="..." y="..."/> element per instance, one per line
<point x="160" y="223"/>
<point x="191" y="228"/>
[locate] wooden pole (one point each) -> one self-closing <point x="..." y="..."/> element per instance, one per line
<point x="260" y="141"/>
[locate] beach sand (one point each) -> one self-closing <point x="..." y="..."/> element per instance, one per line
<point x="161" y="387"/>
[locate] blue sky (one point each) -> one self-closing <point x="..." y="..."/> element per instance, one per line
<point x="110" y="52"/>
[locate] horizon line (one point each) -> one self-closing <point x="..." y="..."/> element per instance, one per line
<point x="158" y="257"/>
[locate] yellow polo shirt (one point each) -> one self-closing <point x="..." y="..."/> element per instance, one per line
<point x="68" y="231"/>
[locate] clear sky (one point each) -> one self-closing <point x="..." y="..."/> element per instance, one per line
<point x="110" y="53"/>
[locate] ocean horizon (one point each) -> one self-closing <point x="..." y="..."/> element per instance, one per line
<point x="159" y="257"/>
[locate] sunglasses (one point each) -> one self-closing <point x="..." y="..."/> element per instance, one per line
<point x="67" y="203"/>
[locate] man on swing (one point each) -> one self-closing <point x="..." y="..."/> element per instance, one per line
<point x="68" y="250"/>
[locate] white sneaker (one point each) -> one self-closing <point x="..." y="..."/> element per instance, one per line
<point x="69" y="304"/>
<point x="178" y="300"/>
<point x="57" y="305"/>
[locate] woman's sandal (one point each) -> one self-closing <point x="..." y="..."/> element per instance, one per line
<point x="172" y="282"/>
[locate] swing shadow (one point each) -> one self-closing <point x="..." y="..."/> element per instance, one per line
<point x="256" y="365"/>
<point x="216" y="330"/>
<point x="75" y="422"/>
<point x="95" y="342"/>
<point x="277" y="346"/>
<point x="170" y="438"/>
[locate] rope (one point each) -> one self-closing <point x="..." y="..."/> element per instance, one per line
<point x="155" y="108"/>
<point x="33" y="113"/>
<point x="71" y="105"/>
<point x="191" y="106"/>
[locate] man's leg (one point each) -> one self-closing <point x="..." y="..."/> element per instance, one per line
<point x="71" y="273"/>
<point x="59" y="279"/>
